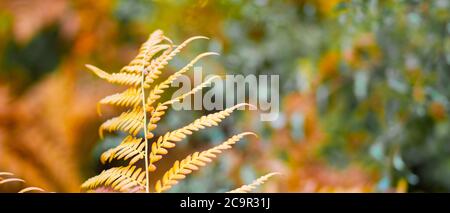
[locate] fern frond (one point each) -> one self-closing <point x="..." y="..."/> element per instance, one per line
<point x="139" y="75"/>
<point x="146" y="51"/>
<point x="122" y="78"/>
<point x="6" y="174"/>
<point x="160" y="110"/>
<point x="131" y="122"/>
<point x="130" y="148"/>
<point x="128" y="98"/>
<point x="156" y="115"/>
<point x="254" y="184"/>
<point x="98" y="72"/>
<point x="169" y="139"/>
<point x="168" y="40"/>
<point x="121" y="179"/>
<point x="151" y="70"/>
<point x="31" y="188"/>
<point x="9" y="180"/>
<point x="192" y="162"/>
<point x="127" y="79"/>
<point x="5" y="180"/>
<point x="154" y="69"/>
<point x="159" y="89"/>
<point x="141" y="60"/>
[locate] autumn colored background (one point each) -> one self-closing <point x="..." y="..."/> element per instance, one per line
<point x="364" y="89"/>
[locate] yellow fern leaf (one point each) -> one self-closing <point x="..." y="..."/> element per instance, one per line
<point x="138" y="75"/>
<point x="142" y="60"/>
<point x="6" y="174"/>
<point x="169" y="139"/>
<point x="121" y="179"/>
<point x="130" y="148"/>
<point x="127" y="79"/>
<point x="5" y="178"/>
<point x="31" y="188"/>
<point x="128" y="98"/>
<point x="192" y="162"/>
<point x="99" y="72"/>
<point x="122" y="78"/>
<point x="9" y="180"/>
<point x="159" y="89"/>
<point x="131" y="121"/>
<point x="254" y="184"/>
<point x="160" y="110"/>
<point x="154" y="69"/>
<point x="147" y="50"/>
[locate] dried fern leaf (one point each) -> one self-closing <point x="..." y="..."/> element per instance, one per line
<point x="121" y="179"/>
<point x="6" y="174"/>
<point x="139" y="74"/>
<point x="122" y="78"/>
<point x="254" y="184"/>
<point x="128" y="98"/>
<point x="98" y="72"/>
<point x="169" y="139"/>
<point x="9" y="180"/>
<point x="143" y="59"/>
<point x="160" y="110"/>
<point x="29" y="189"/>
<point x="192" y="162"/>
<point x="157" y="90"/>
<point x="4" y="180"/>
<point x="156" y="115"/>
<point x="146" y="51"/>
<point x="131" y="122"/>
<point x="130" y="148"/>
<point x="127" y="79"/>
<point x="154" y="69"/>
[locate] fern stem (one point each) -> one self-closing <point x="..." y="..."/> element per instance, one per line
<point x="147" y="184"/>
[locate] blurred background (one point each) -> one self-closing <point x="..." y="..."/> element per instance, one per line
<point x="364" y="90"/>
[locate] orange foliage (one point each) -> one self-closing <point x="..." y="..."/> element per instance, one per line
<point x="329" y="65"/>
<point x="42" y="133"/>
<point x="437" y="111"/>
